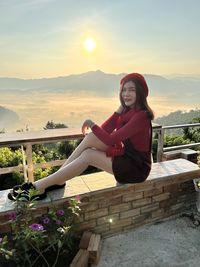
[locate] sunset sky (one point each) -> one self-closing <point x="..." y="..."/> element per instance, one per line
<point x="44" y="38"/>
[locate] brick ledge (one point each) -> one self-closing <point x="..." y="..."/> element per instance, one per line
<point x="167" y="172"/>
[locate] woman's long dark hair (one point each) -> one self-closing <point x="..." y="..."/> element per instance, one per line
<point x="141" y="99"/>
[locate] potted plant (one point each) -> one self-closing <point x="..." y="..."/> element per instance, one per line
<point x="48" y="240"/>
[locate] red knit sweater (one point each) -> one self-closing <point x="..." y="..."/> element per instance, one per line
<point x="133" y="125"/>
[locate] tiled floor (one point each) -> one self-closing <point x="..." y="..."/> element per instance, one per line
<point x="77" y="186"/>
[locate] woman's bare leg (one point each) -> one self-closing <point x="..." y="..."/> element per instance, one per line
<point x="88" y="157"/>
<point x="89" y="141"/>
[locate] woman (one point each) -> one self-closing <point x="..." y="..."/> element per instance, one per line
<point x="121" y="146"/>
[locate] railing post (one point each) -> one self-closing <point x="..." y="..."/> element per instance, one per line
<point x="29" y="162"/>
<point x="160" y="144"/>
<point x="24" y="164"/>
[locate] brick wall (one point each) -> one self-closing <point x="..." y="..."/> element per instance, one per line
<point x="120" y="208"/>
<point x="130" y="206"/>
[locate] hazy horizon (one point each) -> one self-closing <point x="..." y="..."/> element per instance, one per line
<point x="72" y="99"/>
<point x="34" y="112"/>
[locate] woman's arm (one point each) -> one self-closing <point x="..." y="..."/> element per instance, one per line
<point x="110" y="124"/>
<point x="137" y="123"/>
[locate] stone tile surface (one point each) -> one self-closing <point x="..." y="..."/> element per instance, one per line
<point x="171" y="243"/>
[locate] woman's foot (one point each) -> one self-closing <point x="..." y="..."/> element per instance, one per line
<point x="24" y="191"/>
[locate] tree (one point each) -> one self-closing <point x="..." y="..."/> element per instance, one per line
<point x="9" y="158"/>
<point x="193" y="133"/>
<point x="53" y="125"/>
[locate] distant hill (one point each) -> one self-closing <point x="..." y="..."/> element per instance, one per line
<point x="93" y="82"/>
<point x="7" y="118"/>
<point x="177" y="118"/>
<point x="98" y="83"/>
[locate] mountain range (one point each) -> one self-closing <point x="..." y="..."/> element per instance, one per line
<point x="103" y="84"/>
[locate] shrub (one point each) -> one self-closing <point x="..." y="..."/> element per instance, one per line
<point x="34" y="239"/>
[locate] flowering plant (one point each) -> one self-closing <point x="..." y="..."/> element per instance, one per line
<point x="34" y="239"/>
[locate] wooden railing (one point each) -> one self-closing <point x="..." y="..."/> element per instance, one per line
<point x="26" y="139"/>
<point x="161" y="133"/>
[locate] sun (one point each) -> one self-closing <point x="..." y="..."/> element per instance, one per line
<point x="89" y="44"/>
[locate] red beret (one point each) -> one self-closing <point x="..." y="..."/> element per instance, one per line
<point x="137" y="77"/>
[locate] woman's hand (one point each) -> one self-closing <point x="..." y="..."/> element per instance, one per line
<point x="86" y="125"/>
<point x="120" y="109"/>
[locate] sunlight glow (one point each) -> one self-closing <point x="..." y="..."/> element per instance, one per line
<point x="89" y="44"/>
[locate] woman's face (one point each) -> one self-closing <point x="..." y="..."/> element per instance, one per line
<point x="128" y="94"/>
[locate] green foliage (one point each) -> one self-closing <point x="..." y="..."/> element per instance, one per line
<point x="41" y="173"/>
<point x="175" y="140"/>
<point x="34" y="239"/>
<point x="198" y="159"/>
<point x="154" y="147"/>
<point x="179" y="136"/>
<point x="170" y="140"/>
<point x="178" y="117"/>
<point x="41" y="153"/>
<point x="11" y="179"/>
<point x="9" y="158"/>
<point x="193" y="133"/>
<point x="67" y="147"/>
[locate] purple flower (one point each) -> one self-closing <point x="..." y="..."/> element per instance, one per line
<point x="12" y="215"/>
<point x="36" y="227"/>
<point x="60" y="212"/>
<point x="58" y="222"/>
<point x="1" y="239"/>
<point x="46" y="220"/>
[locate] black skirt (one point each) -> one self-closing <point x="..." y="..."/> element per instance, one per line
<point x="132" y="167"/>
